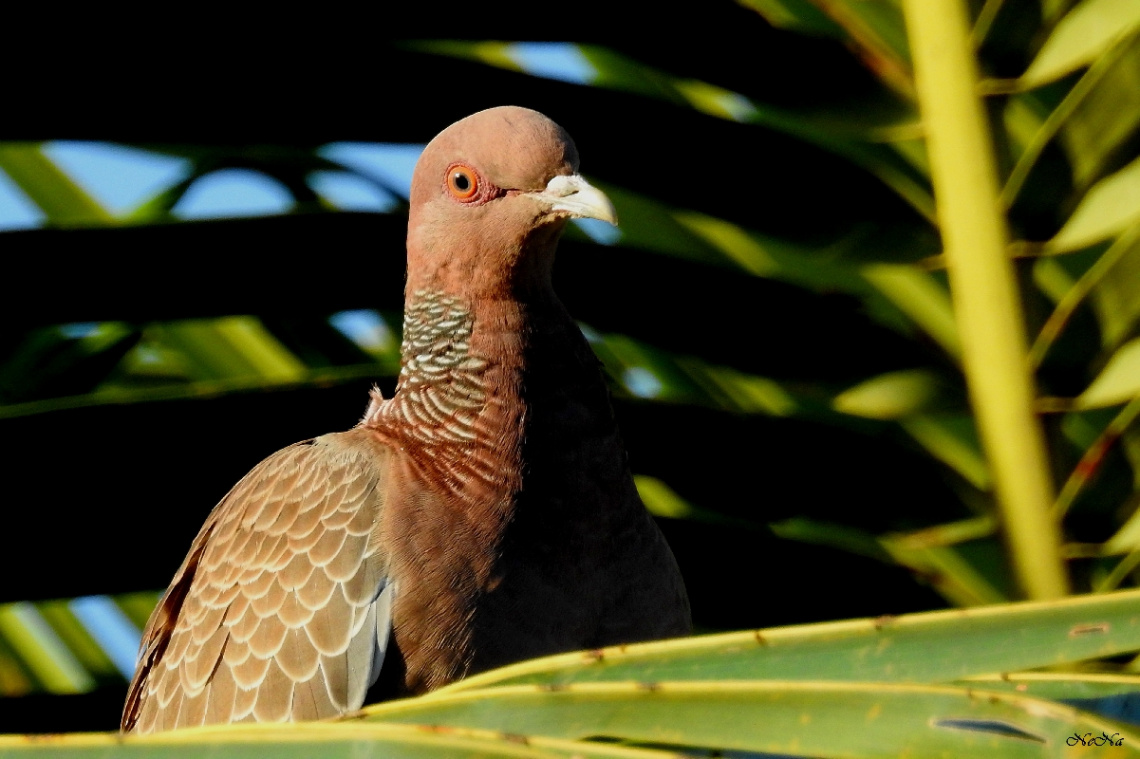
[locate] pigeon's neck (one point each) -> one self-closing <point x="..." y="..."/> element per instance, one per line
<point x="494" y="398"/>
<point x="436" y="351"/>
<point x="467" y="352"/>
<point x="459" y="406"/>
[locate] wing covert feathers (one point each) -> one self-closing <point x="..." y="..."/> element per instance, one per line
<point x="281" y="609"/>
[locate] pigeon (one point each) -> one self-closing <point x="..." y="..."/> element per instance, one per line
<point x="483" y="515"/>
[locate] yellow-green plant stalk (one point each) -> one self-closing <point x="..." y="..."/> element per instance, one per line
<point x="986" y="306"/>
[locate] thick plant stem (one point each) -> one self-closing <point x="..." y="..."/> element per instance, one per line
<point x="984" y="292"/>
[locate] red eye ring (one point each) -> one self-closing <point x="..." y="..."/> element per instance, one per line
<point x="462" y="182"/>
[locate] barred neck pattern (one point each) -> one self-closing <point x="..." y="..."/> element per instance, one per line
<point x="441" y="398"/>
<point x="437" y="329"/>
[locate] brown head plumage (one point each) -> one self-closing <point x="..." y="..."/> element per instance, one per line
<point x="487" y="188"/>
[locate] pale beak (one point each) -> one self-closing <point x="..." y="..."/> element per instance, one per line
<point x="577" y="198"/>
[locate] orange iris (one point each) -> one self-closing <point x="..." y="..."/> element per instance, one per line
<point x="462" y="182"/>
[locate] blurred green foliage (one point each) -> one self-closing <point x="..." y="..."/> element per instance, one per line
<point x="817" y="195"/>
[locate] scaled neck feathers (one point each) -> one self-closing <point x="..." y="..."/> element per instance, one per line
<point x="473" y="376"/>
<point x="456" y="410"/>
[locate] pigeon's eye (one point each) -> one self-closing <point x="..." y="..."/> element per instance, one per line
<point x="462" y="182"/>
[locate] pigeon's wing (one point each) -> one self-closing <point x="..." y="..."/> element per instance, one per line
<point x="282" y="609"/>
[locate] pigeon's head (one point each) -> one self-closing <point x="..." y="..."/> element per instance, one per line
<point x="490" y="195"/>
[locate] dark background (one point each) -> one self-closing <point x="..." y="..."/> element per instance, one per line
<point x="107" y="499"/>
